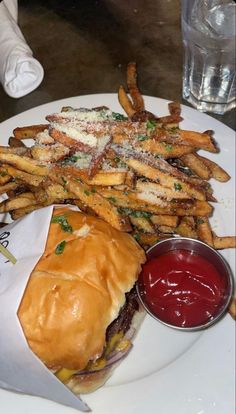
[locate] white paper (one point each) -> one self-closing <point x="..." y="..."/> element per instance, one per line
<point x="20" y="369"/>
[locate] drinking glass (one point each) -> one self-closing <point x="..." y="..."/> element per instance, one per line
<point x="208" y="28"/>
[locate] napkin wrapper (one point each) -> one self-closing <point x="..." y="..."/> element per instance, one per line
<point x="21" y="370"/>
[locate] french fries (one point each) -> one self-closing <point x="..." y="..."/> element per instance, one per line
<point x="141" y="173"/>
<point x="204" y="231"/>
<point x="232" y="309"/>
<point x="28" y="132"/>
<point x="138" y="103"/>
<point x="217" y="172"/>
<point x="125" y="102"/>
<point x="227" y="242"/>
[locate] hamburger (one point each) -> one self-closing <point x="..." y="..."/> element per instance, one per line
<point x="80" y="310"/>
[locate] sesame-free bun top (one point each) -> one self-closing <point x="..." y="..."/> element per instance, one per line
<point x="72" y="297"/>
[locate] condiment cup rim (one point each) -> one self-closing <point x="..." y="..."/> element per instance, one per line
<point x="228" y="273"/>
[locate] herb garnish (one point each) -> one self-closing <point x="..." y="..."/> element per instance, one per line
<point x="168" y="147"/>
<point x="174" y="129"/>
<point x="134" y="213"/>
<point x="63" y="180"/>
<point x="62" y="220"/>
<point x="200" y="221"/>
<point x="68" y="160"/>
<point x="177" y="186"/>
<point x="151" y="124"/>
<point x="60" y="247"/>
<point x="112" y="199"/>
<point x="136" y="236"/>
<point x="118" y="117"/>
<point x="142" y="137"/>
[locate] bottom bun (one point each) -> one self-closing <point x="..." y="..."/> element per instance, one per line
<point x="88" y="381"/>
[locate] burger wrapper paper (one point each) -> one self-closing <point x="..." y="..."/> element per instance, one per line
<point x="20" y="369"/>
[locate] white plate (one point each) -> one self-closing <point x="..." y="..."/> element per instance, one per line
<point x="167" y="371"/>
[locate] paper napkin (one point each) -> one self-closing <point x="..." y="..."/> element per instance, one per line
<point x="20" y="72"/>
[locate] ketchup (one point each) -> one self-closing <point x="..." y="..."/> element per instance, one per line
<point x="182" y="288"/>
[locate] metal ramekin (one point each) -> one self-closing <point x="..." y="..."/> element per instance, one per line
<point x="209" y="254"/>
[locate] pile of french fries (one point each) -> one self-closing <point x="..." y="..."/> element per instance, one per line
<point x="147" y="177"/>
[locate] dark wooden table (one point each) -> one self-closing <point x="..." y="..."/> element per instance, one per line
<point x="84" y="47"/>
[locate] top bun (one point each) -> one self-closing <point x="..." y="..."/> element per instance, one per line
<point x="72" y="297"/>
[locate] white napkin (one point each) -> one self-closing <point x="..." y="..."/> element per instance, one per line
<point x="20" y="73"/>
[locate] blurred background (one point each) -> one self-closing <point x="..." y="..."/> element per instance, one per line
<point x="85" y="45"/>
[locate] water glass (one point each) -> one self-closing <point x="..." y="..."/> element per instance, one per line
<point x="209" y="81"/>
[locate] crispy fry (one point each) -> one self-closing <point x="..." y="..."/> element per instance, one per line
<point x="14" y="150"/>
<point x="166" y="230"/>
<point x="174" y="108"/>
<point x="197" y="140"/>
<point x="125" y="102"/>
<point x="27" y="178"/>
<point x="8" y="187"/>
<point x="160" y="220"/>
<point x="138" y="103"/>
<point x="148" y="239"/>
<point x="232" y="308"/>
<point x="217" y="172"/>
<point x="103" y="178"/>
<point x="204" y="231"/>
<point x="132" y="200"/>
<point x="28" y="132"/>
<point x="227" y="242"/>
<point x="4" y="176"/>
<point x="23" y="200"/>
<point x="160" y="191"/>
<point x="186" y="228"/>
<point x="57" y="191"/>
<point x="49" y="153"/>
<point x="13" y="142"/>
<point x="165" y="150"/>
<point x="24" y="163"/>
<point x="98" y="203"/>
<point x="195" y="164"/>
<point x="165" y="179"/>
<point x="142" y="224"/>
<point x="21" y="212"/>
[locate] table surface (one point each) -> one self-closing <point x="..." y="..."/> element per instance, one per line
<point x="84" y="47"/>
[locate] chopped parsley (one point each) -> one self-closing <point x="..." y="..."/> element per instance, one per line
<point x="3" y="173"/>
<point x="122" y="165"/>
<point x="62" y="220"/>
<point x="136" y="236"/>
<point x="200" y="221"/>
<point x="93" y="190"/>
<point x="118" y="117"/>
<point x="134" y="213"/>
<point x="142" y="137"/>
<point x="177" y="186"/>
<point x="168" y="147"/>
<point x="64" y="181"/>
<point x="71" y="159"/>
<point x="87" y="193"/>
<point x="174" y="129"/>
<point x="151" y="124"/>
<point x="112" y="199"/>
<point x="141" y="214"/>
<point x="60" y="247"/>
<point x="116" y="159"/>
